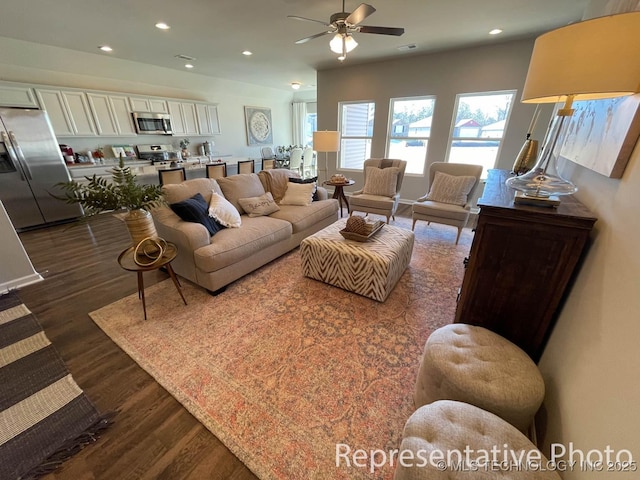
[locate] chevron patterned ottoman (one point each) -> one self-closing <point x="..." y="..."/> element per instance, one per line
<point x="370" y="268"/>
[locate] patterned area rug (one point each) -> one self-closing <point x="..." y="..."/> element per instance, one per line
<point x="282" y="368"/>
<point x="44" y="416"/>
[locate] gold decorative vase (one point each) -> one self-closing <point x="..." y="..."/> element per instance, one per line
<point x="140" y="225"/>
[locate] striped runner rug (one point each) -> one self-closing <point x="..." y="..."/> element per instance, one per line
<point x="44" y="416"/>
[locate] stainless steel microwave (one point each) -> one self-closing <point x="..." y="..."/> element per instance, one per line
<point x="149" y="123"/>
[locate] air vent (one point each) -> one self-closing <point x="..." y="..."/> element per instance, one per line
<point x="406" y="48"/>
<point x="185" y="57"/>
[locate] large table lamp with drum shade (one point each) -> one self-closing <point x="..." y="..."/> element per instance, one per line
<point x="327" y="141"/>
<point x="589" y="60"/>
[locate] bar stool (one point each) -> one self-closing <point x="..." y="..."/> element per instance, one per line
<point x="216" y="170"/>
<point x="246" y="166"/>
<point x="269" y="164"/>
<point x="172" y="175"/>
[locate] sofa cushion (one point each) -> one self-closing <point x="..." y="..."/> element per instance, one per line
<point x="177" y="192"/>
<point x="308" y="180"/>
<point x="451" y="188"/>
<point x="196" y="209"/>
<point x="302" y="218"/>
<point x="381" y="181"/>
<point x="232" y="245"/>
<point x="258" y="206"/>
<point x="223" y="211"/>
<point x="298" y="194"/>
<point x="244" y="185"/>
<point x="276" y="181"/>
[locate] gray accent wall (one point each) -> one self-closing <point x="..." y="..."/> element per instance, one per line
<point x="445" y="74"/>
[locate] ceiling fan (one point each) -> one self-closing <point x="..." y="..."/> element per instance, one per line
<point x="343" y="24"/>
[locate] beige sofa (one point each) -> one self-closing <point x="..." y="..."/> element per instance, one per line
<point x="214" y="262"/>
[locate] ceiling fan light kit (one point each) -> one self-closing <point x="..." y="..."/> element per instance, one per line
<point x="343" y="24"/>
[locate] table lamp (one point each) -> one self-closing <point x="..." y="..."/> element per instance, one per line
<point x="594" y="59"/>
<point x="326" y="141"/>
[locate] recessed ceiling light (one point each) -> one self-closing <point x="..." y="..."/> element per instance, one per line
<point x="162" y="26"/>
<point x="341" y="58"/>
<point x="296" y="85"/>
<point x="188" y="65"/>
<point x="495" y="31"/>
<point x="105" y="48"/>
<point x="247" y="53"/>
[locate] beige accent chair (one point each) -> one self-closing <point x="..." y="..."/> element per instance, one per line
<point x="378" y="204"/>
<point x="447" y="213"/>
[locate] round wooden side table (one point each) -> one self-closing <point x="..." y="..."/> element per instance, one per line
<point x="126" y="261"/>
<point x="338" y="192"/>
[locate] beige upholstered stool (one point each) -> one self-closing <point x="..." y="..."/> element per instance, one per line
<point x="438" y="431"/>
<point x="474" y="365"/>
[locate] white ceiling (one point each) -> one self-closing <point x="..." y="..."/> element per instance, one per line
<point x="215" y="32"/>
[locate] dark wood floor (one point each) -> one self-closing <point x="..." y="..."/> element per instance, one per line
<point x="154" y="437"/>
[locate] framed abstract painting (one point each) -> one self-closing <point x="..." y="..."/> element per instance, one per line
<point x="258" y="124"/>
<point x="603" y="133"/>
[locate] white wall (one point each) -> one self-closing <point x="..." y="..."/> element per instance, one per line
<point x="34" y="63"/>
<point x="592" y="360"/>
<point x="17" y="270"/>
<point x="445" y="74"/>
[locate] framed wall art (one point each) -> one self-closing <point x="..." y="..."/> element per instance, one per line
<point x="258" y="124"/>
<point x="603" y="133"/>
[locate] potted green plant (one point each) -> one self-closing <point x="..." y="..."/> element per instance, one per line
<point x="121" y="193"/>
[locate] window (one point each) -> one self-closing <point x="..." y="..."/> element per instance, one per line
<point x="310" y="124"/>
<point x="480" y="122"/>
<point x="409" y="131"/>
<point x="356" y="121"/>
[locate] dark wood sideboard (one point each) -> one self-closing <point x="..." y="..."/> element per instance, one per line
<point x="521" y="262"/>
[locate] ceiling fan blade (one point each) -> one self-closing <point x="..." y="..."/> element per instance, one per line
<point x="360" y="13"/>
<point x="296" y="17"/>
<point x="381" y="30"/>
<point x="306" y="39"/>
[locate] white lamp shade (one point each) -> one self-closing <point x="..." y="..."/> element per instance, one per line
<point x="336" y="43"/>
<point x="326" y="141"/>
<point x="598" y="58"/>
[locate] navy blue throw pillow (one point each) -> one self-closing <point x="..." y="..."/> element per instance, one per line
<point x="307" y="180"/>
<point x="196" y="209"/>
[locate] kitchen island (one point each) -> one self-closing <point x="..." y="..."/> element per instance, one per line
<point x="147" y="173"/>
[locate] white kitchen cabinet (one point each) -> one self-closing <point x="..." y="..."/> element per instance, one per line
<point x="68" y="111"/>
<point x="147" y="104"/>
<point x="190" y="119"/>
<point x="17" y="96"/>
<point x="177" y="122"/>
<point x="208" y="123"/>
<point x="111" y="115"/>
<point x="183" y="118"/>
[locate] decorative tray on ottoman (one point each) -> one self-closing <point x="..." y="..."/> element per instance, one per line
<point x="373" y="229"/>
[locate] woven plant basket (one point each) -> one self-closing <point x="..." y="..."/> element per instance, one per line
<point x="140" y="225"/>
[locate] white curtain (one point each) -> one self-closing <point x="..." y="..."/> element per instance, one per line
<point x="299" y="117"/>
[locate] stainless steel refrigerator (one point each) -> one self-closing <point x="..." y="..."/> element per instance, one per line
<point x="30" y="165"/>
